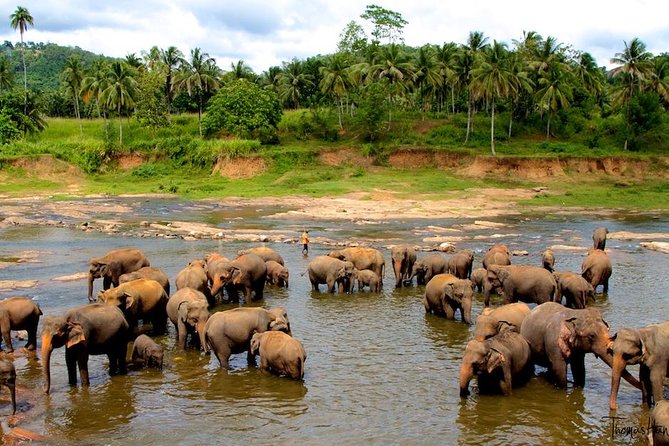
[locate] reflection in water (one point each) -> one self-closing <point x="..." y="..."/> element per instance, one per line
<point x="378" y="370"/>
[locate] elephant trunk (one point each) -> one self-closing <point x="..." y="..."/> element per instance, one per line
<point x="616" y="373"/>
<point x="199" y="327"/>
<point x="397" y="268"/>
<point x="466" y="375"/>
<point x="90" y="287"/>
<point x="47" y="348"/>
<point x="609" y="360"/>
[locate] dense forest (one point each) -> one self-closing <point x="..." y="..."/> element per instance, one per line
<point x="534" y="85"/>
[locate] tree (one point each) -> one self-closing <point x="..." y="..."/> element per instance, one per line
<point x="171" y="60"/>
<point x="151" y="103"/>
<point x="555" y="93"/>
<point x="73" y="76"/>
<point x="335" y="80"/>
<point x="352" y="39"/>
<point x="427" y="75"/>
<point x="6" y="74"/>
<point x="94" y="83"/>
<point x="120" y="91"/>
<point x="387" y="24"/>
<point x="20" y="19"/>
<point x="240" y="70"/>
<point x="292" y="80"/>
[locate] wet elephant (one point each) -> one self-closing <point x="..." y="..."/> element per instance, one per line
<point x="402" y="257"/>
<point x="145" y="351"/>
<point x="279" y="353"/>
<point x="141" y="299"/>
<point x="559" y="336"/>
<point x="19" y="313"/>
<point x="530" y="284"/>
<point x="8" y="379"/>
<point x="478" y="277"/>
<point x="368" y="278"/>
<point x="424" y="269"/>
<point x="496" y="255"/>
<point x="599" y="238"/>
<point x="264" y="252"/>
<point x="548" y="260"/>
<point x="445" y="293"/>
<point x="460" y="264"/>
<point x="574" y="288"/>
<point x="659" y="422"/>
<point x="93" y="329"/>
<point x="230" y="332"/>
<point x="332" y="272"/>
<point x="148" y="272"/>
<point x="648" y="347"/>
<point x="362" y="258"/>
<point x="215" y="264"/>
<point x="187" y="309"/>
<point x="247" y="272"/>
<point x="492" y="320"/>
<point x="194" y="276"/>
<point x="112" y="266"/>
<point x="500" y="363"/>
<point x="597" y="269"/>
<point x="277" y="274"/>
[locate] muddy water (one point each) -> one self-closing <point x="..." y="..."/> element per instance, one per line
<point x="379" y="371"/>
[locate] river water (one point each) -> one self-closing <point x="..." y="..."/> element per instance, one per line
<point x="379" y="370"/>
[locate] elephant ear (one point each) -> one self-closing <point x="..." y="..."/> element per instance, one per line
<point x="75" y="334"/>
<point x="647" y="346"/>
<point x="495" y="359"/>
<point x="503" y="326"/>
<point x="255" y="343"/>
<point x="129" y="300"/>
<point x="567" y="336"/>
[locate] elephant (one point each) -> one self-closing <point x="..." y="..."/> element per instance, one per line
<point x="113" y="265"/>
<point x="19" y="313"/>
<point x="280" y="353"/>
<point x="500" y="363"/>
<point x="426" y="268"/>
<point x="559" y="336"/>
<point x="277" y="274"/>
<point x="596" y="269"/>
<point x="648" y="347"/>
<point x="445" y="293"/>
<point x="520" y="282"/>
<point x="491" y="321"/>
<point x="478" y="277"/>
<point x="146" y="351"/>
<point x="362" y="258"/>
<point x="247" y="272"/>
<point x="143" y="299"/>
<point x="331" y="271"/>
<point x="496" y="255"/>
<point x="264" y="253"/>
<point x="187" y="310"/>
<point x="215" y="263"/>
<point x="92" y="329"/>
<point x="574" y="288"/>
<point x="402" y="257"/>
<point x="194" y="276"/>
<point x="147" y="272"/>
<point x="548" y="260"/>
<point x="8" y="379"/>
<point x="659" y="423"/>
<point x="599" y="238"/>
<point x="230" y="331"/>
<point x="367" y="277"/>
<point x="460" y="264"/>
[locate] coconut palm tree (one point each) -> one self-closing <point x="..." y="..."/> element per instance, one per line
<point x="120" y="91"/>
<point x="335" y="80"/>
<point x="464" y="63"/>
<point x="555" y="92"/>
<point x="94" y="83"/>
<point x="445" y="60"/>
<point x="427" y="75"/>
<point x="20" y="20"/>
<point x="240" y="70"/>
<point x="171" y="59"/>
<point x="73" y="76"/>
<point x="291" y="82"/>
<point x="6" y="74"/>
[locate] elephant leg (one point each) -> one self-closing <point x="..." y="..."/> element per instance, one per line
<point x="577" y="364"/>
<point x="71" y="362"/>
<point x="32" y="338"/>
<point x="646" y="386"/>
<point x="605" y="282"/>
<point x="259" y="290"/>
<point x="657" y="375"/>
<point x="106" y="283"/>
<point x="223" y="355"/>
<point x="6" y="336"/>
<point x="558" y="369"/>
<point x="264" y="364"/>
<point x="449" y="310"/>
<point x="82" y="362"/>
<point x="250" y="357"/>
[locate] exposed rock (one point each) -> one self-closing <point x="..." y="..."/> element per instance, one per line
<point x="71" y="277"/>
<point x="626" y="235"/>
<point x="568" y="248"/>
<point x="656" y="246"/>
<point x="519" y="252"/>
<point x="16" y="284"/>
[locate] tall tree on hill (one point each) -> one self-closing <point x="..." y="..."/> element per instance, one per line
<point x="171" y="58"/>
<point x="6" y="75"/>
<point x="554" y="93"/>
<point x="427" y="75"/>
<point x="73" y="76"/>
<point x="335" y="80"/>
<point x="20" y="20"/>
<point x="292" y="80"/>
<point x="387" y="24"/>
<point x="120" y="91"/>
<point x="468" y="60"/>
<point x="94" y="83"/>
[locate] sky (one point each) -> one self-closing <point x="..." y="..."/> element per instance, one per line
<point x="265" y="33"/>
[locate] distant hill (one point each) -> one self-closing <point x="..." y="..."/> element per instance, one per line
<point x="44" y="62"/>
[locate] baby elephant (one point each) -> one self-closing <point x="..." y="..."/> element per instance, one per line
<point x="277" y="274"/>
<point x="659" y="422"/>
<point x="146" y="351"/>
<point x="19" y="313"/>
<point x="280" y="353"/>
<point x="445" y="293"/>
<point x="8" y="379"/>
<point x="367" y="277"/>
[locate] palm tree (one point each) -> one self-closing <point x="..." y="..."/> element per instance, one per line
<point x="240" y="70"/>
<point x="120" y="91"/>
<point x="335" y="80"/>
<point x="660" y="80"/>
<point x="73" y="75"/>
<point x="133" y="61"/>
<point x="589" y="74"/>
<point x="171" y="59"/>
<point x="198" y="77"/>
<point x="427" y="74"/>
<point x="6" y="74"/>
<point x="555" y="93"/>
<point x="525" y="84"/>
<point x="445" y="56"/>
<point x="20" y="19"/>
<point x="464" y="63"/>
<point x="291" y="82"/>
<point x="94" y="83"/>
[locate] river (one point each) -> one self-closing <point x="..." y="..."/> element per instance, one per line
<point x="379" y="370"/>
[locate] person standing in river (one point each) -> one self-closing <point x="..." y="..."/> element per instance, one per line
<point x="305" y="242"/>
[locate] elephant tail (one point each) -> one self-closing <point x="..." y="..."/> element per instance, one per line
<point x="301" y="365"/>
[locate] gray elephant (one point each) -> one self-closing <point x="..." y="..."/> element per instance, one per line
<point x="148" y="272"/>
<point x="362" y="258"/>
<point x="187" y="309"/>
<point x="445" y="293"/>
<point x="277" y="274"/>
<point x="530" y="284"/>
<point x="478" y="277"/>
<point x="574" y="288"/>
<point x="559" y="336"/>
<point x="145" y="351"/>
<point x="331" y="271"/>
<point x="19" y="313"/>
<point x="141" y="299"/>
<point x="597" y="269"/>
<point x="460" y="264"/>
<point x="491" y="321"/>
<point x="194" y="276"/>
<point x="279" y="353"/>
<point x="113" y="265"/>
<point x="548" y="260"/>
<point x="500" y="363"/>
<point x="402" y="257"/>
<point x="368" y="278"/>
<point x="229" y="332"/>
<point x="247" y="272"/>
<point x="264" y="253"/>
<point x="496" y="255"/>
<point x="599" y="238"/>
<point x="659" y="423"/>
<point x="93" y="329"/>
<point x="215" y="265"/>
<point x="648" y="347"/>
<point x="8" y="379"/>
<point x="424" y="269"/>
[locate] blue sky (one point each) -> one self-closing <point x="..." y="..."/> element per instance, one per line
<point x="265" y="33"/>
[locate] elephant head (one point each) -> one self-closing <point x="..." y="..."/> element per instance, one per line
<point x="279" y="320"/>
<point x="479" y="358"/>
<point x="155" y="356"/>
<point x="497" y="275"/>
<point x="227" y="274"/>
<point x="627" y="347"/>
<point x="460" y="291"/>
<point x="194" y="313"/>
<point x="419" y="270"/>
<point x="255" y="343"/>
<point x="57" y="332"/>
<point x="8" y="378"/>
<point x="97" y="269"/>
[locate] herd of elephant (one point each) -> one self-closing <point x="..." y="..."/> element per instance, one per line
<point x="507" y="340"/>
